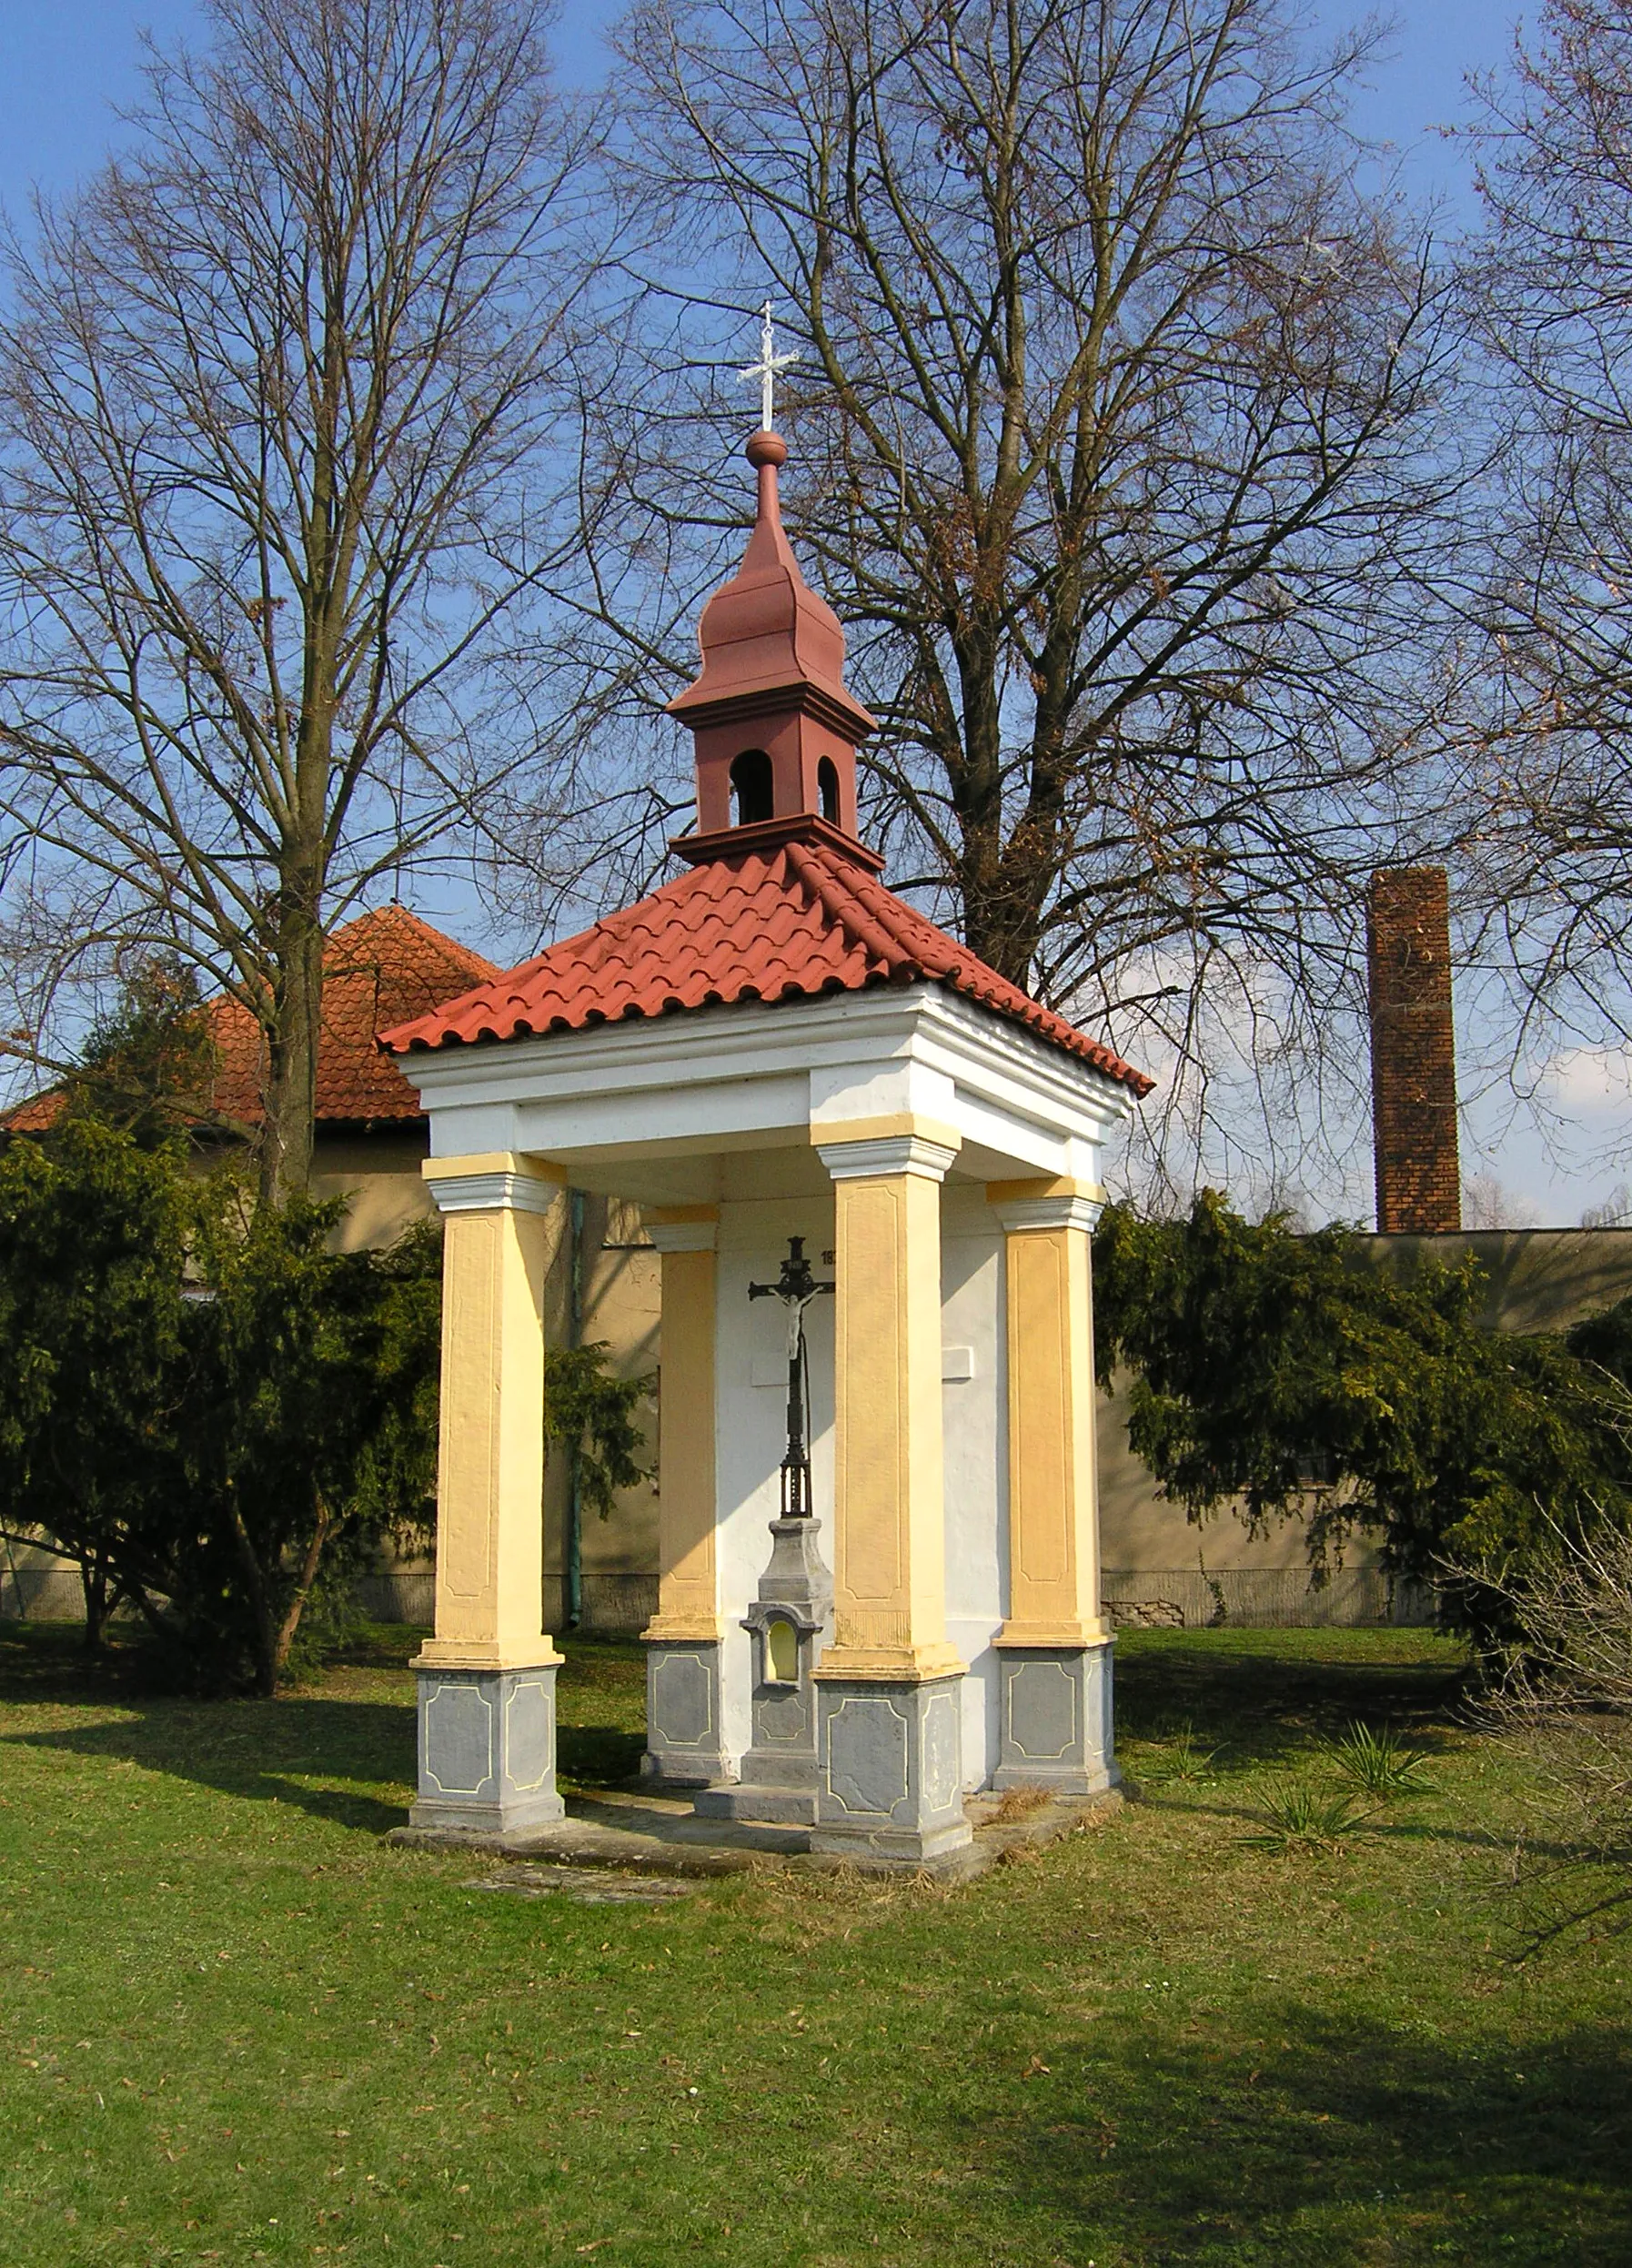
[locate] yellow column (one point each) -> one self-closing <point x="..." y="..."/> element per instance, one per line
<point x="688" y="1583"/>
<point x="890" y="1540"/>
<point x="490" y="1467"/>
<point x="1054" y="1506"/>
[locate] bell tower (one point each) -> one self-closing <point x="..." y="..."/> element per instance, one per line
<point x="775" y="729"/>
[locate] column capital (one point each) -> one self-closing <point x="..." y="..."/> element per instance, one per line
<point x="1045" y="1205"/>
<point x="681" y="1227"/>
<point x="875" y="1156"/>
<point x="493" y="1180"/>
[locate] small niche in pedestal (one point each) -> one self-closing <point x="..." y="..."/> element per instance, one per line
<point x="782" y="1652"/>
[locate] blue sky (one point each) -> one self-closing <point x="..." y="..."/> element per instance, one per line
<point x="67" y="66"/>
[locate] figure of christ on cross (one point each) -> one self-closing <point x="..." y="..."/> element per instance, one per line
<point x="796" y="1287"/>
<point x="767" y="369"/>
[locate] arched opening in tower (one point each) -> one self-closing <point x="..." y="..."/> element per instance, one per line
<point x="827" y="788"/>
<point x="752" y="788"/>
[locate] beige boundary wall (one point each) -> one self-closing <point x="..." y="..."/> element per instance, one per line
<point x="1159" y="1569"/>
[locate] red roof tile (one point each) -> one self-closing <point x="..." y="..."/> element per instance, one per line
<point x="378" y="970"/>
<point x="771" y="922"/>
<point x="37" y="1114"/>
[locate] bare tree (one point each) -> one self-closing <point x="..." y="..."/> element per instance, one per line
<point x="273" y="404"/>
<point x="1116" y="444"/>
<point x="1550" y="286"/>
<point x="1562" y="1694"/>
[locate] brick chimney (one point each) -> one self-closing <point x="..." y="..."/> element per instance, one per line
<point x="1412" y="1051"/>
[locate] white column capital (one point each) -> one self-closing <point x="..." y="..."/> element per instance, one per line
<point x="1040" y="1205"/>
<point x="879" y="1155"/>
<point x="688" y="1228"/>
<point x="497" y="1181"/>
<point x="1021" y="1213"/>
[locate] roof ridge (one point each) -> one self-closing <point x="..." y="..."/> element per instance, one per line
<point x="945" y="963"/>
<point x="396" y="915"/>
<point x="859" y="926"/>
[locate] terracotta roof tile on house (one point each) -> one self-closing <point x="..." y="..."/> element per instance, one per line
<point x="378" y="970"/>
<point x="771" y="922"/>
<point x="37" y="1114"/>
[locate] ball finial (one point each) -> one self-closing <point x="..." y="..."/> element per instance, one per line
<point x="766" y="448"/>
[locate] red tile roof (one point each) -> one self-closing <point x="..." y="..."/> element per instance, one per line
<point x="785" y="921"/>
<point x="378" y="970"/>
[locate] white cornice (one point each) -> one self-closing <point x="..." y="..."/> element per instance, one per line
<point x="1018" y="1213"/>
<point x="886" y="1154"/>
<point x="500" y="1190"/>
<point x="1000" y="1070"/>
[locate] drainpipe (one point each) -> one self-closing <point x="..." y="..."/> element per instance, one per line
<point x="574" y="1553"/>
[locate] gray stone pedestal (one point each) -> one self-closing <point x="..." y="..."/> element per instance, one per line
<point x="684" y="1742"/>
<point x="486" y="1749"/>
<point x="1054" y="1719"/>
<point x="789" y="1623"/>
<point x="889" y="1790"/>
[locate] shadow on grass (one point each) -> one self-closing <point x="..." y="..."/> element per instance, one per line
<point x="1329" y="2129"/>
<point x="263" y="1751"/>
<point x="267" y="1751"/>
<point x="1268" y="1697"/>
<point x="1392" y="1824"/>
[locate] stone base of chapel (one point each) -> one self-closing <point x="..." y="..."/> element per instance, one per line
<point x="683" y="1738"/>
<point x="890" y="1773"/>
<point x="1055" y="1719"/>
<point x="487" y="1751"/>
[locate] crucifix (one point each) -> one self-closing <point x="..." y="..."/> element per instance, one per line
<point x="796" y="1287"/>
<point x="767" y="369"/>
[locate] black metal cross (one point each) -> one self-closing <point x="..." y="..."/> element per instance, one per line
<point x="796" y="1287"/>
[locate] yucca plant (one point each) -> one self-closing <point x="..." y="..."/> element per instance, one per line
<point x="1302" y="1818"/>
<point x="1183" y="1759"/>
<point x="1378" y="1764"/>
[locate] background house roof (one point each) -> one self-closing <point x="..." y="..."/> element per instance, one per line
<point x="376" y="970"/>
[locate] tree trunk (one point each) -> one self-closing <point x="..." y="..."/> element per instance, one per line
<point x="321" y="1529"/>
<point x="1000" y="924"/>
<point x="291" y="1100"/>
<point x="260" y="1605"/>
<point x="93" y="1577"/>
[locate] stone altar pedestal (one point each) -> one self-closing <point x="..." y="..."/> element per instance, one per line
<point x="788" y="1624"/>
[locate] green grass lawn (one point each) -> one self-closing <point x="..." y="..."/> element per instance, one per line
<point x="237" y="2026"/>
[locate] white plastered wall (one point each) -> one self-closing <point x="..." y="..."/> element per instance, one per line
<point x="750" y="1402"/>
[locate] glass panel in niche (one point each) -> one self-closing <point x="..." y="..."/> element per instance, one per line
<point x="782" y="1652"/>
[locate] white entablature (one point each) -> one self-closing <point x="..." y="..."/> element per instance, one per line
<point x="640" y="1110"/>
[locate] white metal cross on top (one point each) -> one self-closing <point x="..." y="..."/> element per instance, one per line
<point x="767" y="369"/>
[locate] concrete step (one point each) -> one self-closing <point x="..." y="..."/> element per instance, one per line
<point x="778" y="1807"/>
<point x="641" y="1836"/>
